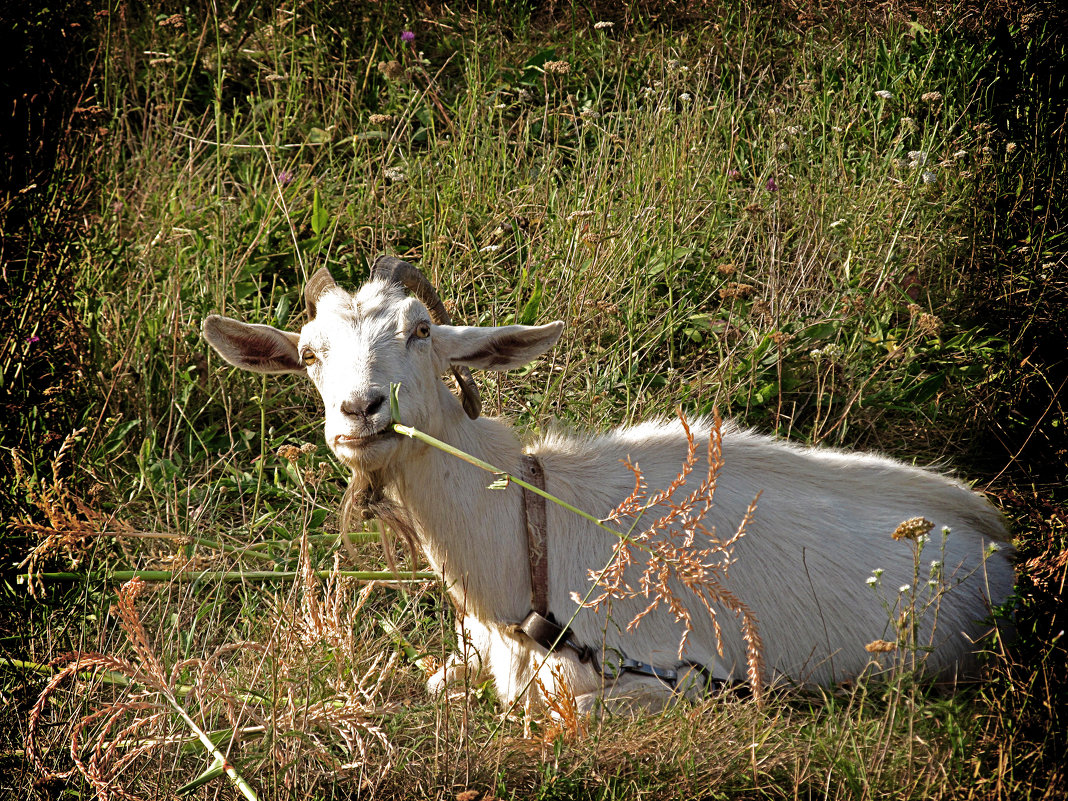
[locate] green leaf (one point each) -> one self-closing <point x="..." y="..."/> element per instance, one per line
<point x="319" y="218"/>
<point x="530" y="309"/>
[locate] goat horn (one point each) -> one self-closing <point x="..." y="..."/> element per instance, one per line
<point x="316" y="286"/>
<point x="393" y="270"/>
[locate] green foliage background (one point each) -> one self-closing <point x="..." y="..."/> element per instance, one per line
<point x="718" y="202"/>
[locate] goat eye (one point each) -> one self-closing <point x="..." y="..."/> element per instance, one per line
<point x="308" y="358"/>
<point x="422" y="331"/>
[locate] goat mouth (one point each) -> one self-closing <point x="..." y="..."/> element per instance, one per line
<point x="355" y="441"/>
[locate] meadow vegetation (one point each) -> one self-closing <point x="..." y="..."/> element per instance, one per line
<point x="845" y="228"/>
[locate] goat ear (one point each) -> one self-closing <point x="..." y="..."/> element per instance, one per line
<point x="259" y="348"/>
<point x="503" y="348"/>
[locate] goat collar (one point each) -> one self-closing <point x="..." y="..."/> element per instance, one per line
<point x="539" y="624"/>
<point x="537" y="546"/>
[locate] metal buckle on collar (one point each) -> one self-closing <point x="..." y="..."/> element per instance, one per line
<point x="615" y="663"/>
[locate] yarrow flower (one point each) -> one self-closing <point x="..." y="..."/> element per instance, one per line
<point x="880" y="647"/>
<point x="380" y="119"/>
<point x="559" y="67"/>
<point x="603" y="25"/>
<point x="912" y="528"/>
<point x="395" y="174"/>
<point x="931" y="97"/>
<point x="885" y="95"/>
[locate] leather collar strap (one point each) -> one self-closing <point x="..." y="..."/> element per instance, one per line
<point x="537" y="538"/>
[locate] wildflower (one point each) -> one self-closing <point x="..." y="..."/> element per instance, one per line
<point x="726" y="269"/>
<point x="794" y="129"/>
<point x="590" y="114"/>
<point x="735" y="290"/>
<point x="929" y="177"/>
<point x="173" y="21"/>
<point x="380" y="119"/>
<point x="523" y="95"/>
<point x="885" y="95"/>
<point x="871" y="581"/>
<point x="904" y="588"/>
<point x="285" y="177"/>
<point x="307" y="447"/>
<point x="945" y="531"/>
<point x="900" y="164"/>
<point x="880" y="647"/>
<point x="832" y="352"/>
<point x="289" y="452"/>
<point x="391" y="69"/>
<point x="912" y="528"/>
<point x="33" y="340"/>
<point x="734" y="175"/>
<point x="686" y="97"/>
<point x="395" y="174"/>
<point x="908" y="124"/>
<point x="932" y="583"/>
<point x="878" y="572"/>
<point x="992" y="549"/>
<point x="929" y="324"/>
<point x="838" y="223"/>
<point x="407" y="36"/>
<point x="1010" y="147"/>
<point x="935" y="565"/>
<point x="771" y="186"/>
<point x="559" y="67"/>
<point x="579" y="215"/>
<point x="931" y="97"/>
<point x="917" y="157"/>
<point x="960" y="154"/>
<point x="603" y="25"/>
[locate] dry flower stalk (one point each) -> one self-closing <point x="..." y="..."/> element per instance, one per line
<point x="72" y="524"/>
<point x="336" y="734"/>
<point x="667" y="550"/>
<point x="562" y="705"/>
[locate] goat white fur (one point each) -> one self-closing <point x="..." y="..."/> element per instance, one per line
<point x="822" y="526"/>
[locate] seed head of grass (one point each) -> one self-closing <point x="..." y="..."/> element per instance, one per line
<point x="678" y="547"/>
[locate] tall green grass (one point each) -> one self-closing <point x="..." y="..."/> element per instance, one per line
<point x="738" y="214"/>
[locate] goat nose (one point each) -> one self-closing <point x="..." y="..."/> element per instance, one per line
<point x="364" y="405"/>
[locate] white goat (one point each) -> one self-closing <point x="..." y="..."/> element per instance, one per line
<point x="822" y="527"/>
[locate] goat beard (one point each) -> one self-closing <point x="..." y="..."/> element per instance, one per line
<point x="365" y="500"/>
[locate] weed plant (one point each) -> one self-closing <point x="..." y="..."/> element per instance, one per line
<point x="777" y="219"/>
